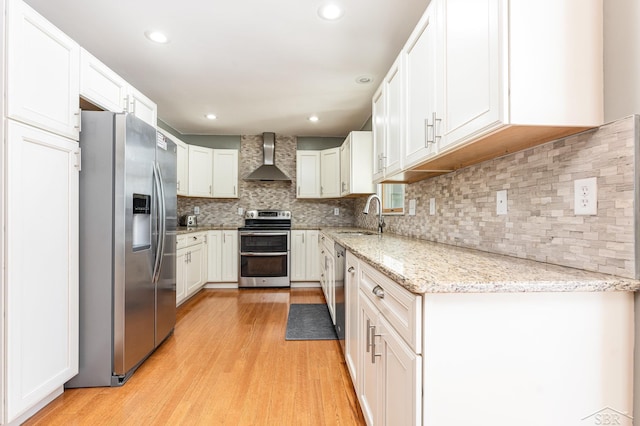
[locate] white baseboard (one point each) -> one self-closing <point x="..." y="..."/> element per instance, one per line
<point x="221" y="285"/>
<point x="39" y="406"/>
<point x="306" y="284"/>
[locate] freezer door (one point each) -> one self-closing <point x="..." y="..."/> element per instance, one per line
<point x="134" y="244"/>
<point x="166" y="170"/>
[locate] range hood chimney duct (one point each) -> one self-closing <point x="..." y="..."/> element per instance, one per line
<point x="268" y="170"/>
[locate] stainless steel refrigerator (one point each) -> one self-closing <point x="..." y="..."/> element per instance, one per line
<point x="127" y="246"/>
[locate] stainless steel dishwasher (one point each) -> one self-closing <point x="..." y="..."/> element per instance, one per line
<point x="339" y="292"/>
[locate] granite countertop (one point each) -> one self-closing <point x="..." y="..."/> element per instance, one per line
<point x="426" y="267"/>
<point x="203" y="228"/>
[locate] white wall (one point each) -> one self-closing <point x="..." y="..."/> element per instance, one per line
<point x="621" y="58"/>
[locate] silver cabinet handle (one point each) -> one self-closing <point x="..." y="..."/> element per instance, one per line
<point x="373" y="344"/>
<point x="234" y="190"/>
<point x="210" y="190"/>
<point x="435" y="130"/>
<point x="302" y="238"/>
<point x="351" y="269"/>
<point x="368" y="335"/>
<point x="378" y="291"/>
<point x="426" y="131"/>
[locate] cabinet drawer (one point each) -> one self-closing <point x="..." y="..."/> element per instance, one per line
<point x="188" y="240"/>
<point x="400" y="307"/>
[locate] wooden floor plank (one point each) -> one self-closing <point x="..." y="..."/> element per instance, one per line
<point x="227" y="363"/>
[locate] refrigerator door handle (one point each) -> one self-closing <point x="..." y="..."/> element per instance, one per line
<point x="161" y="220"/>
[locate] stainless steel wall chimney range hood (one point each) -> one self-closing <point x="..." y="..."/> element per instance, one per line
<point x="268" y="170"/>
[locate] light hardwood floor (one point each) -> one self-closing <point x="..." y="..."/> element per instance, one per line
<point x="227" y="363"/>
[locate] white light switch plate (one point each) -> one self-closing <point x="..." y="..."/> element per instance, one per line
<point x="432" y="206"/>
<point x="336" y="211"/>
<point x="196" y="210"/>
<point x="412" y="207"/>
<point x="585" y="196"/>
<point x="501" y="202"/>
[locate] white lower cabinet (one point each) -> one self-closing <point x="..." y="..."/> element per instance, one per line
<point x="222" y="256"/>
<point x="351" y="294"/>
<point x="386" y="348"/>
<point x="191" y="264"/>
<point x="327" y="273"/>
<point x="304" y="255"/>
<point x="41" y="305"/>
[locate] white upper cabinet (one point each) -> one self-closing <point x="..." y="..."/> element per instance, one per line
<point x="43" y="79"/>
<point x="483" y="80"/>
<point x="308" y="174"/>
<point x="182" y="167"/>
<point x="182" y="163"/>
<point x="388" y="123"/>
<point x="470" y="56"/>
<point x="100" y="85"/>
<point x="107" y="90"/>
<point x="421" y="99"/>
<point x="212" y="173"/>
<point x="330" y="173"/>
<point x="355" y="164"/>
<point x="225" y="173"/>
<point x="142" y="107"/>
<point x="200" y="171"/>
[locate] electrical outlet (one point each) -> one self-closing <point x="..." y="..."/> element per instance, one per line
<point x="432" y="206"/>
<point x="412" y="207"/>
<point x="501" y="202"/>
<point x="196" y="210"/>
<point x="240" y="211"/>
<point x="585" y="193"/>
<point x="336" y="211"/>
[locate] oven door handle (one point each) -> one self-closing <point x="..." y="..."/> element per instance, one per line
<point x="260" y="234"/>
<point x="263" y="254"/>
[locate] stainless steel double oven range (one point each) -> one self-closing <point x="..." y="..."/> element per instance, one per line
<point x="265" y="249"/>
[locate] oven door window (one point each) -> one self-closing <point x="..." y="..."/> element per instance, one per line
<point x="263" y="265"/>
<point x="264" y="242"/>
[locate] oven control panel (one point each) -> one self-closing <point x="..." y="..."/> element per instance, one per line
<point x="267" y="214"/>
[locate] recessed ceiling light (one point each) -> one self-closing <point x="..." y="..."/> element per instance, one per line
<point x="330" y="11"/>
<point x="364" y="79"/>
<point x="313" y="119"/>
<point x="211" y="116"/>
<point x="157" y="37"/>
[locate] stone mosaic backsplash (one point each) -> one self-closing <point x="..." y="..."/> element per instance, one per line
<point x="540" y="224"/>
<point x="269" y="195"/>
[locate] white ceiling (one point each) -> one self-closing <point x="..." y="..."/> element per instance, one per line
<point x="259" y="65"/>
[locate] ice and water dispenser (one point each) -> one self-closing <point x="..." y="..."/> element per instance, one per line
<point x="141" y="222"/>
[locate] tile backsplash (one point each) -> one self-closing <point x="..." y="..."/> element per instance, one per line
<point x="540" y="223"/>
<point x="269" y="195"/>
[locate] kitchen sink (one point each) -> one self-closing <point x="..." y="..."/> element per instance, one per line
<point x="357" y="233"/>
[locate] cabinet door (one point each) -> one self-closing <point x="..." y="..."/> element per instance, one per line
<point x="330" y="294"/>
<point x="345" y="166"/>
<point x="308" y="174"/>
<point x="360" y="168"/>
<point x="41" y="265"/>
<point x="230" y="256"/>
<point x="379" y="129"/>
<point x="395" y="119"/>
<point x="420" y="141"/>
<point x="400" y="374"/>
<point x="182" y="167"/>
<point x="298" y="256"/>
<point x="351" y="341"/>
<point x="470" y="55"/>
<point x="330" y="173"/>
<point x="200" y="171"/>
<point x="225" y="173"/>
<point x="311" y="247"/>
<point x="367" y="388"/>
<point x="100" y="85"/>
<point x="195" y="277"/>
<point x="142" y="107"/>
<point x="181" y="286"/>
<point x="214" y="254"/>
<point x="43" y="78"/>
